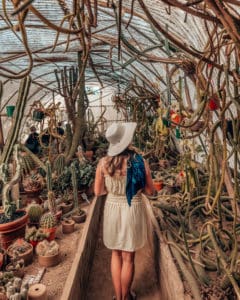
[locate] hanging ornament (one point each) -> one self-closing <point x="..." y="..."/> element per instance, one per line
<point x="175" y="118"/>
<point x="213" y="103"/>
<point x="178" y="133"/>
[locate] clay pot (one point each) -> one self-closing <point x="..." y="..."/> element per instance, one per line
<point x="80" y="218"/>
<point x="12" y="230"/>
<point x="51" y="231"/>
<point x="68" y="226"/>
<point x="26" y="256"/>
<point x="48" y="261"/>
<point x="88" y="154"/>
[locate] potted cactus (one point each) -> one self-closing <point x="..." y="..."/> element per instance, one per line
<point x="13" y="220"/>
<point x="22" y="250"/>
<point x="48" y="253"/>
<point x="48" y="224"/>
<point x="34" y="236"/>
<point x="33" y="183"/>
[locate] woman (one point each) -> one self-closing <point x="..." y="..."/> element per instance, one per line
<point x="123" y="175"/>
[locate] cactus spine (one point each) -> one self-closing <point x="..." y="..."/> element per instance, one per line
<point x="35" y="212"/>
<point x="48" y="220"/>
<point x="75" y="187"/>
<point x="51" y="197"/>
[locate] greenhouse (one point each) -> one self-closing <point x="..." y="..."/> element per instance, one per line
<point x="119" y="149"/>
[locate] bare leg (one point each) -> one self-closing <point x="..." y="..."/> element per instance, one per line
<point x="116" y="267"/>
<point x="127" y="273"/>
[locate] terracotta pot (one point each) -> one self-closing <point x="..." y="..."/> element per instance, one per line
<point x="158" y="185"/>
<point x="3" y="296"/>
<point x="12" y="230"/>
<point x="79" y="218"/>
<point x="48" y="261"/>
<point x="51" y="231"/>
<point x="88" y="154"/>
<point x="68" y="226"/>
<point x="26" y="256"/>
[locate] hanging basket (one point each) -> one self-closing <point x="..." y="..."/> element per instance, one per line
<point x="10" y="110"/>
<point x="38" y="115"/>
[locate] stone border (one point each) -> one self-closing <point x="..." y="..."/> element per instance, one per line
<point x="77" y="280"/>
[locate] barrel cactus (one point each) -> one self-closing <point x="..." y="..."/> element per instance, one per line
<point x="48" y="221"/>
<point x="35" y="212"/>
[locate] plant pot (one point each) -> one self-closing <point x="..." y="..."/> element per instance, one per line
<point x="158" y="185"/>
<point x="66" y="207"/>
<point x="12" y="230"/>
<point x="38" y="115"/>
<point x="26" y="256"/>
<point x="68" y="226"/>
<point x="51" y="231"/>
<point x="88" y="154"/>
<point x="10" y="110"/>
<point x="48" y="261"/>
<point x="80" y="218"/>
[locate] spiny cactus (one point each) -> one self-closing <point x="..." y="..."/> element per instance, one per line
<point x="48" y="221"/>
<point x="13" y="133"/>
<point x="59" y="164"/>
<point x="51" y="197"/>
<point x="75" y="186"/>
<point x="35" y="212"/>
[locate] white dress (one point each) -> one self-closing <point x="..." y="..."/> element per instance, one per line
<point x="124" y="226"/>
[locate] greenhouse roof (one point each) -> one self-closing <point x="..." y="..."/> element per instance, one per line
<point x="121" y="40"/>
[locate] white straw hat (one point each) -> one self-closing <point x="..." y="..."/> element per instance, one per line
<point x="119" y="136"/>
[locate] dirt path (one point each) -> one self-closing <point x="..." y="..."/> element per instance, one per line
<point x="100" y="284"/>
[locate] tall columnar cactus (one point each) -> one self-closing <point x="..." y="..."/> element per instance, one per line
<point x="75" y="186"/>
<point x="48" y="221"/>
<point x="13" y="133"/>
<point x="51" y="197"/>
<point x="8" y="205"/>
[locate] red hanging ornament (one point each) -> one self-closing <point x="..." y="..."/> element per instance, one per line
<point x="213" y="103"/>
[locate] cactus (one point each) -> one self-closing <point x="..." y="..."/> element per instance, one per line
<point x="59" y="163"/>
<point x="10" y="206"/>
<point x="48" y="221"/>
<point x="17" y="119"/>
<point x="75" y="186"/>
<point x="51" y="197"/>
<point x="35" y="212"/>
<point x="10" y="145"/>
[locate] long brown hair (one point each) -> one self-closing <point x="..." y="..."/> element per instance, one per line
<point x="115" y="163"/>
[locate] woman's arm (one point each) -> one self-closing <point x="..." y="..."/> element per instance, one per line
<point x="99" y="184"/>
<point x="149" y="188"/>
